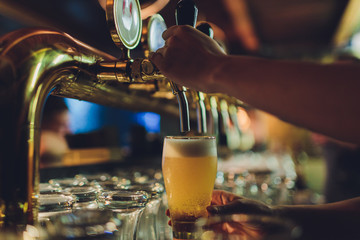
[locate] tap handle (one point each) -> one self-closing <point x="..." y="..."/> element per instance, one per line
<point x="206" y="29"/>
<point x="186" y="13"/>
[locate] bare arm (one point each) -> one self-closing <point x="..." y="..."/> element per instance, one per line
<point x="327" y="221"/>
<point x="322" y="98"/>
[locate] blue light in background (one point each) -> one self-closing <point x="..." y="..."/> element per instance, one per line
<point x="149" y="120"/>
<point x="79" y="10"/>
<point x="84" y="116"/>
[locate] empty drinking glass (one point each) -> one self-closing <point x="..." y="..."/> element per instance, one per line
<point x="77" y="181"/>
<point x="46" y="188"/>
<point x="148" y="226"/>
<point x="86" y="197"/>
<point x="54" y="204"/>
<point x="126" y="206"/>
<point x="84" y="224"/>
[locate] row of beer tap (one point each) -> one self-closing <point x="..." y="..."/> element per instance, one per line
<point x="216" y="114"/>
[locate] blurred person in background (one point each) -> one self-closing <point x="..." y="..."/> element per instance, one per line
<point x="55" y="126"/>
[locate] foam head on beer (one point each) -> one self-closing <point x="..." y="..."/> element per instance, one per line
<point x="190" y="147"/>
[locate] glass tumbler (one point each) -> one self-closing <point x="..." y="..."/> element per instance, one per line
<point x="189" y="166"/>
<point x="148" y="226"/>
<point x="86" y="197"/>
<point x="85" y="224"/>
<point x="47" y="188"/>
<point x="127" y="206"/>
<point x="77" y="181"/>
<point x="53" y="204"/>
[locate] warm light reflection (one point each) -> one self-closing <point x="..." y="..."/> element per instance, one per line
<point x="36" y="73"/>
<point x="59" y="59"/>
<point x="153" y="8"/>
<point x="243" y="119"/>
<point x="31" y="233"/>
<point x="244" y="28"/>
<point x="349" y="23"/>
<point x="355" y="44"/>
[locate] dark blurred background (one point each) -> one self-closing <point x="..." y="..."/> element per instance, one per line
<point x="270" y="27"/>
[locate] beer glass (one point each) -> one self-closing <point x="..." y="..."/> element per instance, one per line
<point x="189" y="167"/>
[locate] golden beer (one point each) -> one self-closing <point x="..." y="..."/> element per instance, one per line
<point x="189" y="168"/>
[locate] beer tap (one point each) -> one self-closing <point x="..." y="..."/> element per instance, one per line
<point x="229" y="138"/>
<point x="199" y="102"/>
<point x="125" y="26"/>
<point x="199" y="96"/>
<point x="129" y="70"/>
<point x="235" y="122"/>
<point x="152" y="30"/>
<point x="214" y="117"/>
<point x="185" y="14"/>
<point x="233" y="133"/>
<point x="39" y="61"/>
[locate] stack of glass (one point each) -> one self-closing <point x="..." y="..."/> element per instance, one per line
<point x="127" y="207"/>
<point x="65" y="201"/>
<point x="84" y="224"/>
<point x="266" y="177"/>
<point x="136" y="198"/>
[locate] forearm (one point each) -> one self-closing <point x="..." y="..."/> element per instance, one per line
<point x="323" y="98"/>
<point x="328" y="221"/>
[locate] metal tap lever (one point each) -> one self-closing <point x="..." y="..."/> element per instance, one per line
<point x="185" y="14"/>
<point x="206" y="28"/>
<point x="200" y="105"/>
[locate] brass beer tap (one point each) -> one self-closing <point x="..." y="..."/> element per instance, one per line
<point x="129" y="70"/>
<point x="36" y="62"/>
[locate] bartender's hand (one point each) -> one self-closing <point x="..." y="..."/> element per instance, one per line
<point x="227" y="203"/>
<point x="223" y="203"/>
<point x="189" y="58"/>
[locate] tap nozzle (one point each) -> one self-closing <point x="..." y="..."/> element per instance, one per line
<point x="179" y="92"/>
<point x="200" y="112"/>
